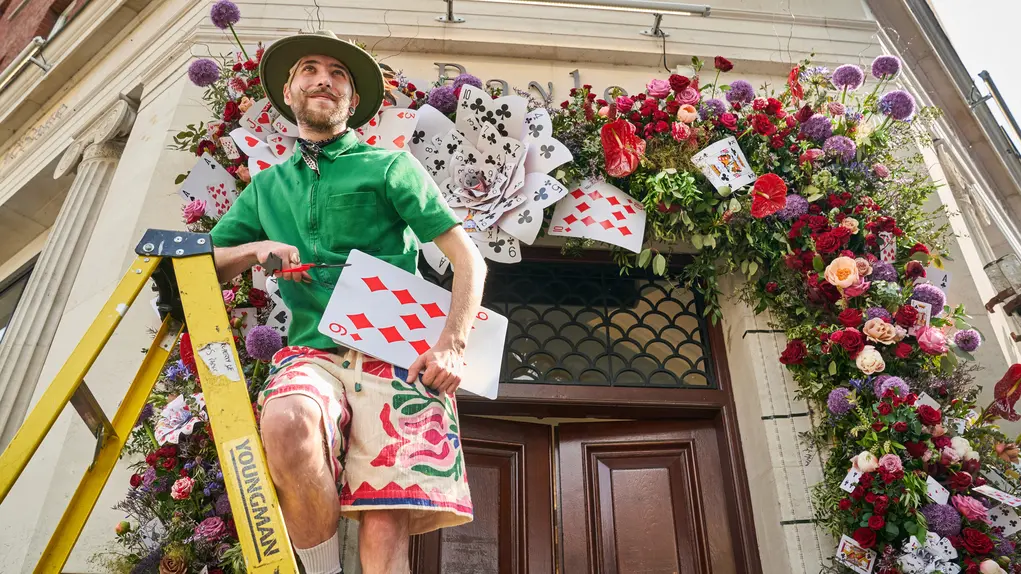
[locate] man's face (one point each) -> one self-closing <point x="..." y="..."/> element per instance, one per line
<point x="321" y="92"/>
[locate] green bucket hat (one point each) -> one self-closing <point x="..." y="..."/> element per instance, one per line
<point x="280" y="57"/>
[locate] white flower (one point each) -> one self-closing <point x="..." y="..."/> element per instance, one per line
<point x="960" y="445"/>
<point x="866" y="462"/>
<point x="971" y="455"/>
<point x="990" y="567"/>
<point x="869" y="361"/>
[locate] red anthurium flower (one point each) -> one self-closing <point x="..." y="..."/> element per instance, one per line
<point x="792" y="81"/>
<point x="769" y="195"/>
<point x="622" y="147"/>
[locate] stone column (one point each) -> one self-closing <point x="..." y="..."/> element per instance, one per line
<point x="93" y="156"/>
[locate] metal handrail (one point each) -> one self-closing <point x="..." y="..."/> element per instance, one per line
<point x="1004" y="109"/>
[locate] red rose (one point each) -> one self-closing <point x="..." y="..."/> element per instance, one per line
<point x="914" y="270"/>
<point x="884" y="409"/>
<point x="722" y="64"/>
<point x="941" y="442"/>
<point x="877" y="426"/>
<point x="906" y="316"/>
<point x="866" y="480"/>
<point x="671" y="107"/>
<point x="729" y="121"/>
<point x="169" y="463"/>
<point x="257" y="298"/>
<point x="828" y="243"/>
<point x="135" y="481"/>
<point x="919" y="248"/>
<point x="850" y="317"/>
<point x="903" y="350"/>
<point x="772" y="287"/>
<point x="623" y="149"/>
<point x="928" y="415"/>
<point x="870" y="498"/>
<point x="916" y="449"/>
<point x="795" y="353"/>
<point x="881" y="504"/>
<point x="900" y="426"/>
<point x="679" y="82"/>
<point x="151" y="459"/>
<point x="845" y="504"/>
<point x="662" y="127"/>
<point x="865" y="537"/>
<point x="769" y="195"/>
<point x="960" y="480"/>
<point x="231" y="112"/>
<point x="851" y="340"/>
<point x="876" y="522"/>
<point x="762" y="125"/>
<point x="976" y="542"/>
<point x="184" y="471"/>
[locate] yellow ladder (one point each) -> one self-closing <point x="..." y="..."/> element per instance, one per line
<point x="181" y="265"/>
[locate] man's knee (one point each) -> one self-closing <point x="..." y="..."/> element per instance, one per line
<point x="290" y="427"/>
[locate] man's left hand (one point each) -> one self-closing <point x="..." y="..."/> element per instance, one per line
<point x="440" y="368"/>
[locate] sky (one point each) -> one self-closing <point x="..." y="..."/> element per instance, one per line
<point x="986" y="36"/>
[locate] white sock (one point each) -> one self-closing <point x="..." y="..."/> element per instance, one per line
<point x="322" y="559"/>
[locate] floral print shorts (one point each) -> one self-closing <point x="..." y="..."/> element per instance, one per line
<point x="395" y="445"/>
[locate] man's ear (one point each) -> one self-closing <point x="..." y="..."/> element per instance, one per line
<point x="287" y="93"/>
<point x="354" y="100"/>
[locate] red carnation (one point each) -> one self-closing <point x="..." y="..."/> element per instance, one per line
<point x="903" y="350"/>
<point x="865" y="537"/>
<point x="919" y="248"/>
<point x="866" y="480"/>
<point x="795" y="353"/>
<point x="169" y="463"/>
<point x="623" y="149"/>
<point x="250" y="65"/>
<point x="906" y="316"/>
<point x="236" y="67"/>
<point x="876" y="522"/>
<point x="769" y="195"/>
<point x="773" y="106"/>
<point x="928" y="415"/>
<point x="900" y="426"/>
<point x="762" y="125"/>
<point x="151" y="459"/>
<point x="135" y="480"/>
<point x="678" y="82"/>
<point x="772" y="287"/>
<point x="722" y="64"/>
<point x="976" y="542"/>
<point x="884" y="409"/>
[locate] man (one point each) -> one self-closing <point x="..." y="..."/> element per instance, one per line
<point x="333" y="420"/>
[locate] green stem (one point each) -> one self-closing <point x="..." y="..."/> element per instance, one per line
<point x="843" y="96"/>
<point x="240" y="45"/>
<point x="716" y="81"/>
<point x="152" y="436"/>
<point x="256" y="372"/>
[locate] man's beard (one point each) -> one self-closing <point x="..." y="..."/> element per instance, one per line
<point x="316" y="119"/>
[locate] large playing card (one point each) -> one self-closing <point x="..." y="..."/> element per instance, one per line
<point x="936" y="491"/>
<point x="394" y="129"/>
<point x="431" y="123"/>
<point x="280" y="145"/>
<point x="997" y="494"/>
<point x="546" y="154"/>
<point x="211" y="183"/>
<point x="394" y="316"/>
<point x="1006" y="518"/>
<point x="258" y="119"/>
<point x="600" y="211"/>
<point x="284" y="127"/>
<point x="476" y="107"/>
<point x="279" y="315"/>
<point x="434" y="257"/>
<point x="724" y="165"/>
<point x="538" y="125"/>
<point x="855" y="557"/>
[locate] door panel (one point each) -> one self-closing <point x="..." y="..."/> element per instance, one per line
<point x="509" y="468"/>
<point x="643" y="498"/>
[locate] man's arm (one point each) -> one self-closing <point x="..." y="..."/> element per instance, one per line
<point x="232" y="261"/>
<point x="441" y="365"/>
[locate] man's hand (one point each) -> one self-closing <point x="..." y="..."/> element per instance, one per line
<point x="440" y="367"/>
<point x="288" y="254"/>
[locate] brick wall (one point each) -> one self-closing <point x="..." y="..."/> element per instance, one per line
<point x="22" y="20"/>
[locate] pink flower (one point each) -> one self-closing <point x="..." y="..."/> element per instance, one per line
<point x="687" y="113"/>
<point x="932" y="341"/>
<point x="604" y="112"/>
<point x="681" y="132"/>
<point x="211" y="529"/>
<point x="228" y="296"/>
<point x="881" y="170"/>
<point x="890" y="463"/>
<point x="970" y="508"/>
<point x="624" y="104"/>
<point x="658" y="89"/>
<point x="949" y="456"/>
<point x="860" y="287"/>
<point x="194" y="211"/>
<point x="810" y="155"/>
<point x="182" y="488"/>
<point x="688" y="96"/>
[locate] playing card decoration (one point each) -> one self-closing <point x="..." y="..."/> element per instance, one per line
<point x="176" y="419"/>
<point x="279" y="315"/>
<point x="211" y="183"/>
<point x="261" y="153"/>
<point x="258" y="120"/>
<point x="724" y="165"/>
<point x="859" y="559"/>
<point x="597" y="210"/>
<point x="935" y="556"/>
<point x="392" y="128"/>
<point x="491" y="165"/>
<point x="394" y="316"/>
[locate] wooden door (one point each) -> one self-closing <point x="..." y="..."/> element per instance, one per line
<point x="510" y="469"/>
<point x="643" y="498"/>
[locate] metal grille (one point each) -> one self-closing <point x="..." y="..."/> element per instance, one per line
<point x="584" y="324"/>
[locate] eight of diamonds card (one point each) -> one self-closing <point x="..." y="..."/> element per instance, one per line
<point x="392" y="315"/>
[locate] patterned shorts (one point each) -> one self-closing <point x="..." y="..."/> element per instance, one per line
<point x="395" y="445"/>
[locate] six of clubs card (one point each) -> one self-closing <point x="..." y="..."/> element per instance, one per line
<point x="394" y="316"/>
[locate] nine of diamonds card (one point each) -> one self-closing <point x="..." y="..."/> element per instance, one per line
<point x="394" y="316"/>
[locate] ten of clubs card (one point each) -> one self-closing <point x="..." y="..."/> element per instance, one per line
<point x="394" y="316"/>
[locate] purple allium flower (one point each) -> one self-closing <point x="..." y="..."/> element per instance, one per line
<point x="841" y="147"/>
<point x="968" y="340"/>
<point x="885" y="383"/>
<point x="211" y="529"/>
<point x="203" y="72"/>
<point x="838" y="402"/>
<point x="796" y="207"/>
<point x="943" y="519"/>
<point x="898" y="104"/>
<point x="222" y="504"/>
<point x="263" y="342"/>
<point x="883" y="271"/>
<point x="443" y="99"/>
<point x="145" y="415"/>
<point x="836" y="108"/>
<point x="148" y="477"/>
<point x="224" y="14"/>
<point x="713" y="108"/>
<point x="930" y="294"/>
<point x="885" y="67"/>
<point x="741" y="91"/>
<point x="149" y="564"/>
<point x="878" y="313"/>
<point x="817" y="127"/>
<point x="848" y="77"/>
<point x="1004" y="548"/>
<point x="808" y="73"/>
<point x="466" y="79"/>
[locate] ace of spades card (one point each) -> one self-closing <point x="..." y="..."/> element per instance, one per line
<point x="394" y="316"/>
<point x="258" y="119"/>
<point x="855" y="557"/>
<point x="724" y="165"/>
<point x="600" y="211"/>
<point x="210" y="182"/>
<point x="279" y="314"/>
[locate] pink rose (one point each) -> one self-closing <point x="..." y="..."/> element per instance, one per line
<point x="890" y="463"/>
<point x="228" y="296"/>
<point x="949" y="456"/>
<point x="211" y="529"/>
<point x="604" y="112"/>
<point x="687" y="113"/>
<point x="932" y="341"/>
<point x="881" y="170"/>
<point x="624" y="104"/>
<point x="182" y="488"/>
<point x="681" y="132"/>
<point x="970" y="508"/>
<point x="688" y="96"/>
<point x="860" y="287"/>
<point x="658" y="89"/>
<point x="194" y="211"/>
<point x="864" y="267"/>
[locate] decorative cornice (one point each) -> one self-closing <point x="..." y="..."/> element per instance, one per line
<point x="114" y="123"/>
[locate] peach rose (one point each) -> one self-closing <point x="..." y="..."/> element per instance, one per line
<point x="244" y="175"/>
<point x="604" y="112"/>
<point x="866" y="462"/>
<point x="864" y="267"/>
<point x="687" y="113"/>
<point x="842" y="272"/>
<point x="869" y="361"/>
<point x="879" y="331"/>
<point x="850" y="224"/>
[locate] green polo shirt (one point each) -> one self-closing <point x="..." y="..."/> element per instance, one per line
<point x="366" y="198"/>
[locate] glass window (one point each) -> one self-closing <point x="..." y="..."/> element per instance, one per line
<point x="10" y="294"/>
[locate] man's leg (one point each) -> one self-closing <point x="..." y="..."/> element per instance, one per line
<point x="383" y="542"/>
<point x="292" y="431"/>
